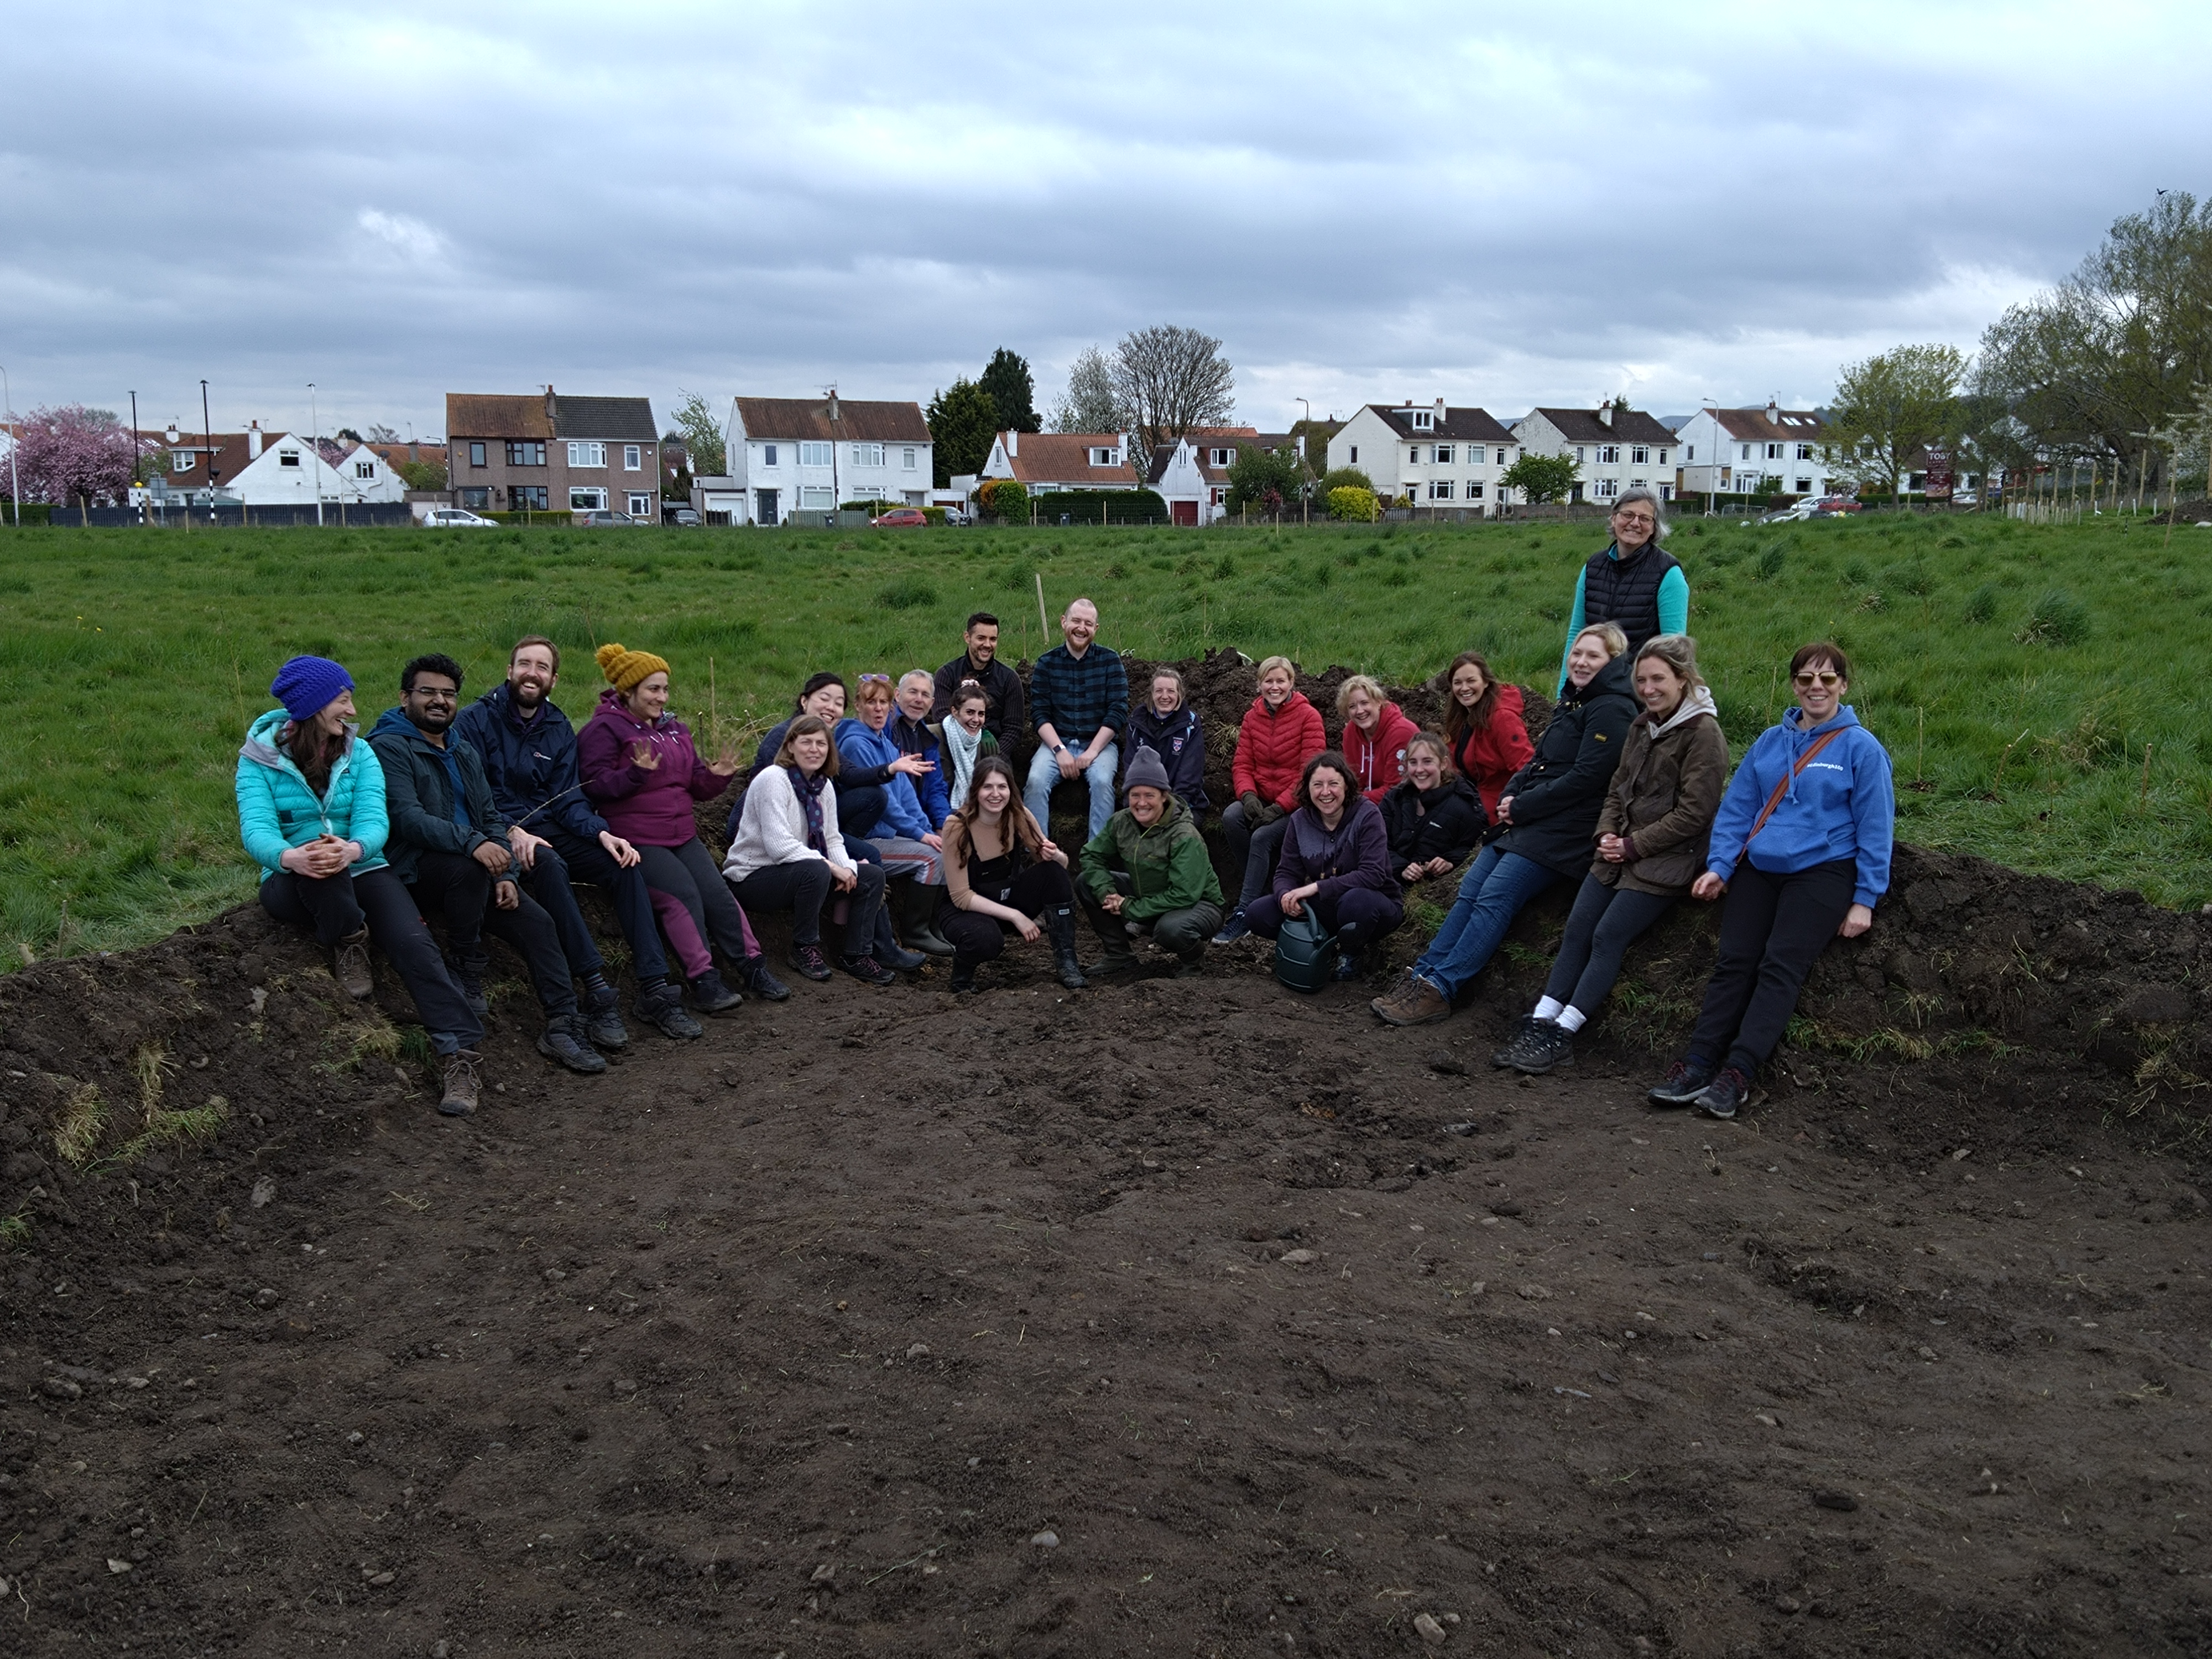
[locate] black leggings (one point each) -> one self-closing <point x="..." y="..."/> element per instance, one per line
<point x="338" y="907"/>
<point x="976" y="937"/>
<point x="803" y="887"/>
<point x="1605" y="921"/>
<point x="1773" y="929"/>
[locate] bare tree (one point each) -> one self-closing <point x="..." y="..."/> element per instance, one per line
<point x="1091" y="404"/>
<point x="1169" y="379"/>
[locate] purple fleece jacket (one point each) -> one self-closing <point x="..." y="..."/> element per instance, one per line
<point x="1356" y="854"/>
<point x="650" y="809"/>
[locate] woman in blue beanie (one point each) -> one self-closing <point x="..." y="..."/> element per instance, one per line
<point x="311" y="813"/>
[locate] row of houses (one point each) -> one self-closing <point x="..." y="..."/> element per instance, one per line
<point x="275" y="468"/>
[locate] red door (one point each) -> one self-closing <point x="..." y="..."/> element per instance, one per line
<point x="1184" y="513"/>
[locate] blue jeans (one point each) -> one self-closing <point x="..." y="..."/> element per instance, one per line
<point x="1492" y="893"/>
<point x="1044" y="773"/>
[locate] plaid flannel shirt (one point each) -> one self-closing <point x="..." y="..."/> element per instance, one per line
<point x="1076" y="695"/>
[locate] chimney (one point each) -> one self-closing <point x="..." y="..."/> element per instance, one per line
<point x="1604" y="415"/>
<point x="173" y="435"/>
<point x="1773" y="413"/>
<point x="254" y="441"/>
<point x="834" y="415"/>
<point x="548" y="408"/>
<point x="1440" y="412"/>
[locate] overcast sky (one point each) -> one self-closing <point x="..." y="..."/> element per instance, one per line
<point x="1499" y="204"/>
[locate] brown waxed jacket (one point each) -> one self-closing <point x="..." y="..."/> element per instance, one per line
<point x="1664" y="795"/>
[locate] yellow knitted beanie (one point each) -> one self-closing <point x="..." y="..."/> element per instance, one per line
<point x="625" y="669"/>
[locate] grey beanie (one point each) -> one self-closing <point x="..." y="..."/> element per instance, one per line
<point x="1144" y="768"/>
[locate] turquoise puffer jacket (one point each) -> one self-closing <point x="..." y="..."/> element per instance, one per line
<point x="277" y="809"/>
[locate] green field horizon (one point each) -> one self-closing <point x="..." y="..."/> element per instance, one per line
<point x="2016" y="672"/>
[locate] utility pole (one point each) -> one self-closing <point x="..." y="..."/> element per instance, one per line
<point x="315" y="447"/>
<point x="207" y="444"/>
<point x="14" y="443"/>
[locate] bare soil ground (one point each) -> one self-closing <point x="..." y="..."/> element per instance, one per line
<point x="1181" y="1316"/>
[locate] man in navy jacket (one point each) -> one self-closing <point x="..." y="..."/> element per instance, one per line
<point x="529" y="752"/>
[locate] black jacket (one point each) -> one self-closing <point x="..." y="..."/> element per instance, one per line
<point x="1450" y="828"/>
<point x="418" y="795"/>
<point x="1180" y="741"/>
<point x="1003" y="698"/>
<point x="532" y="768"/>
<point x="1557" y="796"/>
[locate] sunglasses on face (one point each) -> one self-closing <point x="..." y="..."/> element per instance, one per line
<point x="875" y="679"/>
<point x="1827" y="681"/>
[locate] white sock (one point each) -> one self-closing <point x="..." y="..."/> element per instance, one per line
<point x="1572" y="1020"/>
<point x="1548" y="1008"/>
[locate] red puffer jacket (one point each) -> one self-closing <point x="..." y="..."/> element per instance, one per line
<point x="1273" y="748"/>
<point x="1487" y="756"/>
<point x="1378" y="761"/>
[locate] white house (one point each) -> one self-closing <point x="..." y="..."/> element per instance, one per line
<point x="367" y="476"/>
<point x="1434" y="455"/>
<point x="786" y="454"/>
<point x="1727" y="451"/>
<point x="1191" y="475"/>
<point x="261" y="469"/>
<point x="1616" y="449"/>
<point x="1046" y="461"/>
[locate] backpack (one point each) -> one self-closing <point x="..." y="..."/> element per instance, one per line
<point x="1305" y="952"/>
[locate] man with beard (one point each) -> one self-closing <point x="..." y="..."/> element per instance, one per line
<point x="1002" y="687"/>
<point x="449" y="843"/>
<point x="529" y="753"/>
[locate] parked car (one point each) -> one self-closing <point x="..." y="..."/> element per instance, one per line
<point x="684" y="517"/>
<point x="1835" y="506"/>
<point x="456" y="518"/>
<point x="1965" y="498"/>
<point x="900" y="518"/>
<point x="604" y="518"/>
<point x="955" y="518"/>
<point x="1791" y="513"/>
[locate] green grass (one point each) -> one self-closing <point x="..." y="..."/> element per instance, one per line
<point x="131" y="661"/>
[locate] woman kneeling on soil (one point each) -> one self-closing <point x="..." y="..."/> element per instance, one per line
<point x="1485" y="726"/>
<point x="789" y="854"/>
<point x="640" y="769"/>
<point x="1434" y="816"/>
<point x="1282" y="732"/>
<point x="311" y="813"/>
<point x="1336" y="859"/>
<point x="1651" y="842"/>
<point x="1801" y="849"/>
<point x="1550" y="811"/>
<point x="1001" y="872"/>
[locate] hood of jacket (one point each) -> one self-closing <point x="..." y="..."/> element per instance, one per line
<point x="1803" y="737"/>
<point x="1699" y="705"/>
<point x="395" y="720"/>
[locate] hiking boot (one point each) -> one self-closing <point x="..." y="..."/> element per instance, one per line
<point x="1233" y="929"/>
<point x="602" y="1014"/>
<point x="1721" y="1097"/>
<point x="463" y="1085"/>
<point x="1521" y="1030"/>
<point x="753" y="975"/>
<point x="1060" y="927"/>
<point x="1547" y="1048"/>
<point x="1418" y="1004"/>
<point x="710" y="996"/>
<point x="660" y="1005"/>
<point x="350" y="966"/>
<point x="890" y="952"/>
<point x="867" y="970"/>
<point x="963" y="975"/>
<point x="1684" y="1081"/>
<point x="809" y="962"/>
<point x="469" y="975"/>
<point x="562" y="1039"/>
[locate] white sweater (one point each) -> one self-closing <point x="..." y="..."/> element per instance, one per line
<point x="772" y="829"/>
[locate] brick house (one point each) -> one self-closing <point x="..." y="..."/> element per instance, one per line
<point x="545" y="453"/>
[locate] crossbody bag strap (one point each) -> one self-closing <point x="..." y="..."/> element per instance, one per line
<point x="1783" y="788"/>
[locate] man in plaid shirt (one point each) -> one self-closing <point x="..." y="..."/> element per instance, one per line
<point x="1079" y="699"/>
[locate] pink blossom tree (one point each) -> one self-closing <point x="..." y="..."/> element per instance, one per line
<point x="74" y="453"/>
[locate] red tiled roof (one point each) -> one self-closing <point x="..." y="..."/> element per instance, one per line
<point x="497" y="415"/>
<point x="1065" y="457"/>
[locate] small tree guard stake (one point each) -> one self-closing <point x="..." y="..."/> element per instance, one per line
<point x="2142" y="798"/>
<point x="1044" y="628"/>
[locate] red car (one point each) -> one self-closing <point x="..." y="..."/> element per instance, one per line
<point x="900" y="518"/>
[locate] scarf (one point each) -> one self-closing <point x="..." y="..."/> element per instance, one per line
<point x="961" y="749"/>
<point x="809" y="792"/>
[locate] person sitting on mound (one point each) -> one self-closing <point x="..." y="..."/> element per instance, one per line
<point x="1167" y="725"/>
<point x="916" y="739"/>
<point x="1336" y="861"/>
<point x="1650" y="846"/>
<point x="903" y="835"/>
<point x="1001" y="872"/>
<point x="1434" y="816"/>
<point x="823" y="695"/>
<point x="980" y="664"/>
<point x="963" y="738"/>
<point x="1148" y="872"/>
<point x="641" y="769"/>
<point x="788" y="854"/>
<point x="311" y="813"/>
<point x="1486" y="727"/>
<point x="1280" y="733"/>
<point x="1376" y="734"/>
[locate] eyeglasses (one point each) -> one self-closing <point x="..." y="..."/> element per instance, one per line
<point x="1808" y="679"/>
<point x="431" y="694"/>
<point x="875" y="679"/>
<point x="1636" y="518"/>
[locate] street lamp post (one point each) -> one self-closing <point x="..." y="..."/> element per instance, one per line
<point x="207" y="441"/>
<point x="134" y="451"/>
<point x="15" y="442"/>
<point x="315" y="448"/>
<point x="1306" y="493"/>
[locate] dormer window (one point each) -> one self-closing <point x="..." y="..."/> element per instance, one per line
<point x="1425" y="420"/>
<point x="1221" y="457"/>
<point x="1105" y="458"/>
<point x="288" y="457"/>
<point x="180" y="460"/>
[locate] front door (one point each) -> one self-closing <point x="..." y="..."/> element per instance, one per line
<point x="764" y="508"/>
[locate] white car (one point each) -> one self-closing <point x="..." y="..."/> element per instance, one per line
<point x="456" y="518"/>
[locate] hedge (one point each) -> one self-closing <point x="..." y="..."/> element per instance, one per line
<point x="33" y="513"/>
<point x="1085" y="507"/>
<point x="1352" y="502"/>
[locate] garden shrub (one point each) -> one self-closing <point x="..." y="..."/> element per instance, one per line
<point x="1349" y="501"/>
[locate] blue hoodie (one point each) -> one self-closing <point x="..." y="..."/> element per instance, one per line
<point x="860" y="748"/>
<point x="1841" y="806"/>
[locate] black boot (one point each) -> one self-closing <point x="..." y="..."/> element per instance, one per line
<point x="918" y="919"/>
<point x="1547" y="1047"/>
<point x="753" y="975"/>
<point x="964" y="974"/>
<point x="602" y="1012"/>
<point x="887" y="950"/>
<point x="660" y="1005"/>
<point x="1059" y="926"/>
<point x="1522" y="1032"/>
<point x="469" y="967"/>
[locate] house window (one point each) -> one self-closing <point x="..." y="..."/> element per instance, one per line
<point x="768" y="455"/>
<point x="1474" y="455"/>
<point x="867" y="454"/>
<point x="180" y="460"/>
<point x="1662" y="458"/>
<point x="476" y="452"/>
<point x="1220" y="495"/>
<point x="1774" y="452"/>
<point x="475" y="497"/>
<point x="1413" y="455"/>
<point x="1691" y="453"/>
<point x="632" y="458"/>
<point x="1098" y="458"/>
<point x="1443" y="454"/>
<point x="1424" y="420"/>
<point x="520" y="454"/>
<point x="1440" y="490"/>
<point x="1223" y="458"/>
<point x="1607" y="488"/>
<point x="1580" y="457"/>
<point x="1804" y="452"/>
<point x="1474" y="489"/>
<point x="1804" y="486"/>
<point x="364" y="469"/>
<point x="641" y="505"/>
<point x="1640" y="455"/>
<point x="587" y="501"/>
<point x="1608" y="454"/>
<point x="527" y="497"/>
<point x="587" y="454"/>
<point x="908" y="460"/>
<point x="817" y="495"/>
<point x="1355" y="455"/>
<point x="1637" y="483"/>
<point x="815" y="455"/>
<point x="1747" y="453"/>
<point x="288" y="457"/>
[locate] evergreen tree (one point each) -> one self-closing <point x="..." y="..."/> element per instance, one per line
<point x="963" y="421"/>
<point x="1012" y="391"/>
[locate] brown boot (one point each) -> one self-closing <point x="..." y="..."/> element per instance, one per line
<point x="350" y="966"/>
<point x="1415" y="1003"/>
<point x="462" y="1084"/>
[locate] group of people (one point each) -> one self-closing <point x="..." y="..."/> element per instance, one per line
<point x="899" y="815"/>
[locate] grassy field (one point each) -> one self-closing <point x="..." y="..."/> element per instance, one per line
<point x="2018" y="673"/>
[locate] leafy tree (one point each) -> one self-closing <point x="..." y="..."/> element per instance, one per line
<point x="1347" y="477"/>
<point x="1005" y="499"/>
<point x="1257" y="474"/>
<point x="963" y="421"/>
<point x="1171" y="379"/>
<point x="74" y="453"/>
<point x="1542" y="478"/>
<point x="1890" y="408"/>
<point x="701" y="433"/>
<point x="422" y="475"/>
<point x="1090" y="403"/>
<point x="1007" y="378"/>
